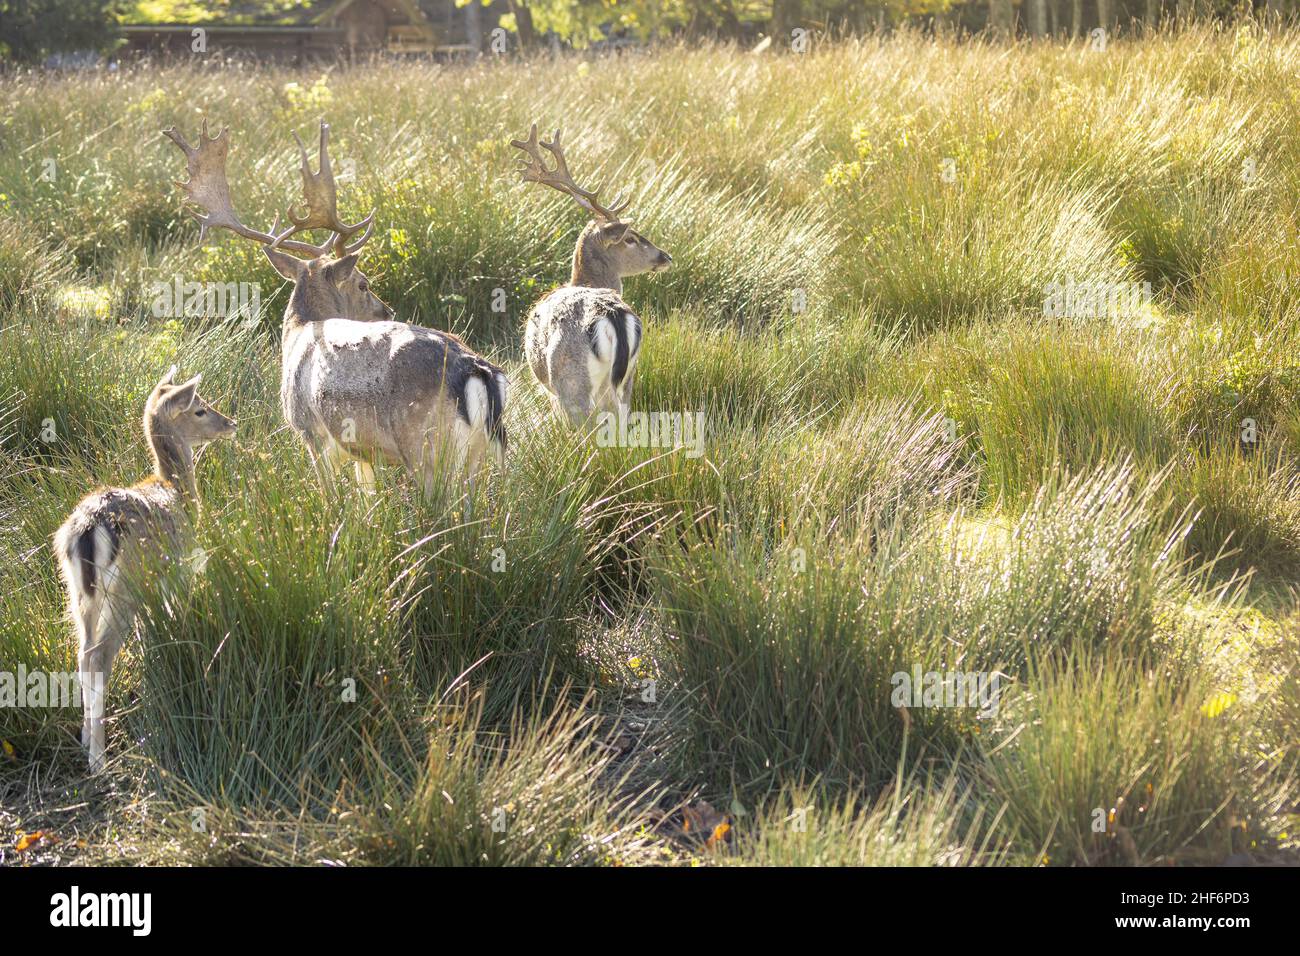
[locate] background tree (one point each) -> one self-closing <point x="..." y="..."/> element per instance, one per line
<point x="208" y="11"/>
<point x="30" y="30"/>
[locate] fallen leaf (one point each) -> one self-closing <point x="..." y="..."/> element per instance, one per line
<point x="719" y="834"/>
<point x="28" y="840"/>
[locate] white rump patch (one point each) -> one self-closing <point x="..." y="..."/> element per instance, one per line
<point x="476" y="401"/>
<point x="600" y="361"/>
<point x="633" y="336"/>
<point x="503" y="386"/>
<point x="105" y="561"/>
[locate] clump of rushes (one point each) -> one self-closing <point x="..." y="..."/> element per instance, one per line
<point x="905" y="462"/>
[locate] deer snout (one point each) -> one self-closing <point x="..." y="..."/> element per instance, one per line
<point x="663" y="262"/>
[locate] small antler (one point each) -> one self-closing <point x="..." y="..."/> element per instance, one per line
<point x="208" y="189"/>
<point x="534" y="170"/>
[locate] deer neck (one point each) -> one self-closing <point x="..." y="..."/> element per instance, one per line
<point x="299" y="311"/>
<point x="593" y="266"/>
<point x="173" y="461"/>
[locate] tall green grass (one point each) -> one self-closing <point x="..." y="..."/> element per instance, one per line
<point x="905" y="464"/>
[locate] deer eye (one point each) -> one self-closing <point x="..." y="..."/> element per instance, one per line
<point x="363" y="285"/>
<point x="200" y="413"/>
<point x="630" y="241"/>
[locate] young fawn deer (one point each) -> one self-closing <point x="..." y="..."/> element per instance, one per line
<point x="354" y="384"/>
<point x="115" y="533"/>
<point x="582" y="340"/>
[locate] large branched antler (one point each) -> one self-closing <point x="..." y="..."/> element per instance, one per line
<point x="322" y="201"/>
<point x="208" y="189"/>
<point x="534" y="170"/>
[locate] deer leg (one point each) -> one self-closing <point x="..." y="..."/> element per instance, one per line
<point x="433" y="478"/>
<point x="95" y="667"/>
<point x="85" y="615"/>
<point x="607" y="400"/>
<point x="476" y="451"/>
<point x="625" y="392"/>
<point x="365" y="475"/>
<point x="335" y="459"/>
<point x="324" y="461"/>
<point x="321" y="469"/>
<point x="575" y="399"/>
<point x="459" y="451"/>
<point x="603" y="397"/>
<point x="432" y="468"/>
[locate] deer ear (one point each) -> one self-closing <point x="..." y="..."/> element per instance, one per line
<point x="290" y="267"/>
<point x="168" y="378"/>
<point x="340" y="270"/>
<point x="614" y="232"/>
<point x="182" y="397"/>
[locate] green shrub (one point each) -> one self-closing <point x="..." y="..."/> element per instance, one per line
<point x="1110" y="760"/>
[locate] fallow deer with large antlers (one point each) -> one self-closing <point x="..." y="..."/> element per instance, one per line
<point x="582" y="340"/>
<point x="353" y="384"/>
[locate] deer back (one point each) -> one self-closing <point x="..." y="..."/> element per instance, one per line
<point x="577" y="338"/>
<point x="386" y="389"/>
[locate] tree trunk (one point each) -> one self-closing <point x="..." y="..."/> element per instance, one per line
<point x="524" y="25"/>
<point x="1104" y="15"/>
<point x="1037" y="17"/>
<point x="1000" y="17"/>
<point x="730" y="21"/>
<point x="1076" y="17"/>
<point x="1153" y="16"/>
<point x="786" y="15"/>
<point x="473" y="26"/>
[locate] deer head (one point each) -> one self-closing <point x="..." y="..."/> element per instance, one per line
<point x="609" y="249"/>
<point x="183" y="412"/>
<point x="324" y="287"/>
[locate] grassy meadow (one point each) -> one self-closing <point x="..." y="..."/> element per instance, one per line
<point x="632" y="655"/>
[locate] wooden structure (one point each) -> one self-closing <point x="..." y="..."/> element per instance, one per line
<point x="339" y="29"/>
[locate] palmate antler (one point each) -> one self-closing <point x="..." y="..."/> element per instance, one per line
<point x="208" y="189"/>
<point x="322" y="200"/>
<point x="534" y="170"/>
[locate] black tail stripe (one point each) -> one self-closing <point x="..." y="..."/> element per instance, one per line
<point x="619" y="321"/>
<point x="83" y="554"/>
<point x="496" y="429"/>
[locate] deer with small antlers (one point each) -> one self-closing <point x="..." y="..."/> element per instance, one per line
<point x="582" y="340"/>
<point x="115" y="534"/>
<point x="354" y="384"/>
